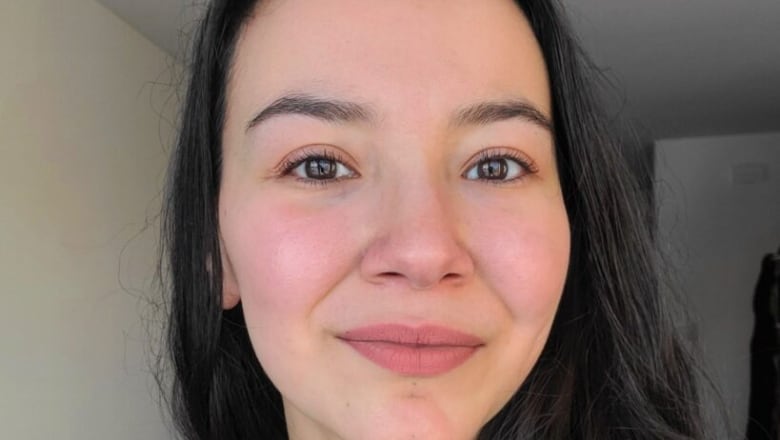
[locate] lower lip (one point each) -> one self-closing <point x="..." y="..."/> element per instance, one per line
<point x="412" y="359"/>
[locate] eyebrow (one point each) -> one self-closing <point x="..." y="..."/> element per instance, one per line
<point x="496" y="111"/>
<point x="338" y="111"/>
<point x="330" y="110"/>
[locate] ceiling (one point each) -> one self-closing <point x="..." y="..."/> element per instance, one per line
<point x="678" y="68"/>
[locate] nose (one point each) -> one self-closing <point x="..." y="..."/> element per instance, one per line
<point x="417" y="242"/>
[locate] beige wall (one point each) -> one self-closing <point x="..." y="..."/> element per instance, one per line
<point x="82" y="155"/>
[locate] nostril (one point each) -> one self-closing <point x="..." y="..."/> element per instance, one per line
<point x="451" y="276"/>
<point x="394" y="278"/>
<point x="419" y="282"/>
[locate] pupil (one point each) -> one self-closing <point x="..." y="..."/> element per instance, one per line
<point x="321" y="168"/>
<point x="493" y="169"/>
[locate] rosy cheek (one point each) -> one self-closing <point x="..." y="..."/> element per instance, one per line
<point x="524" y="258"/>
<point x="287" y="257"/>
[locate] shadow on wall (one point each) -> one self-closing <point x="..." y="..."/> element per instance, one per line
<point x="764" y="414"/>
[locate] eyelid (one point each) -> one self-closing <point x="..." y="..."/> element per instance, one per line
<point x="501" y="152"/>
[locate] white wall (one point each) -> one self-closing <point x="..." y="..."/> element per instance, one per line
<point x="716" y="230"/>
<point x="81" y="165"/>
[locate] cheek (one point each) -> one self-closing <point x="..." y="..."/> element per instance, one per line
<point x="285" y="259"/>
<point x="524" y="258"/>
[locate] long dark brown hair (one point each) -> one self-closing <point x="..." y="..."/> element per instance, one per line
<point x="614" y="366"/>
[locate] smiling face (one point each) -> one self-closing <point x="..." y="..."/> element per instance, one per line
<point x="390" y="211"/>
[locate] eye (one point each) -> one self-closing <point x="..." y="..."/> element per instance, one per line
<point x="499" y="167"/>
<point x="321" y="168"/>
<point x="317" y="167"/>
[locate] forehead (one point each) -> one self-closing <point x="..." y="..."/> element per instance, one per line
<point x="432" y="54"/>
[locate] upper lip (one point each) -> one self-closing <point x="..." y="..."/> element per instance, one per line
<point x="425" y="335"/>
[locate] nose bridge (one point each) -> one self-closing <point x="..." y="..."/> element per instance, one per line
<point x="421" y="208"/>
<point x="417" y="188"/>
<point x="417" y="239"/>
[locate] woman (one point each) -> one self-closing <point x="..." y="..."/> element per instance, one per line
<point x="397" y="220"/>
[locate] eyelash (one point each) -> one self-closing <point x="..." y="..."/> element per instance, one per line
<point x="528" y="166"/>
<point x="286" y="168"/>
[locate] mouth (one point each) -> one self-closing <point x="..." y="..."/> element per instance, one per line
<point x="413" y="351"/>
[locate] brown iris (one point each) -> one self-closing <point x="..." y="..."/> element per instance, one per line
<point x="493" y="169"/>
<point x="320" y="168"/>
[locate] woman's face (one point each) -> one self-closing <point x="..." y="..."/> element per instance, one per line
<point x="390" y="213"/>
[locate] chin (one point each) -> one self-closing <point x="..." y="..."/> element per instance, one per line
<point x="414" y="417"/>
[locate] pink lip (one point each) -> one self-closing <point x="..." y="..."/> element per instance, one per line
<point x="413" y="351"/>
